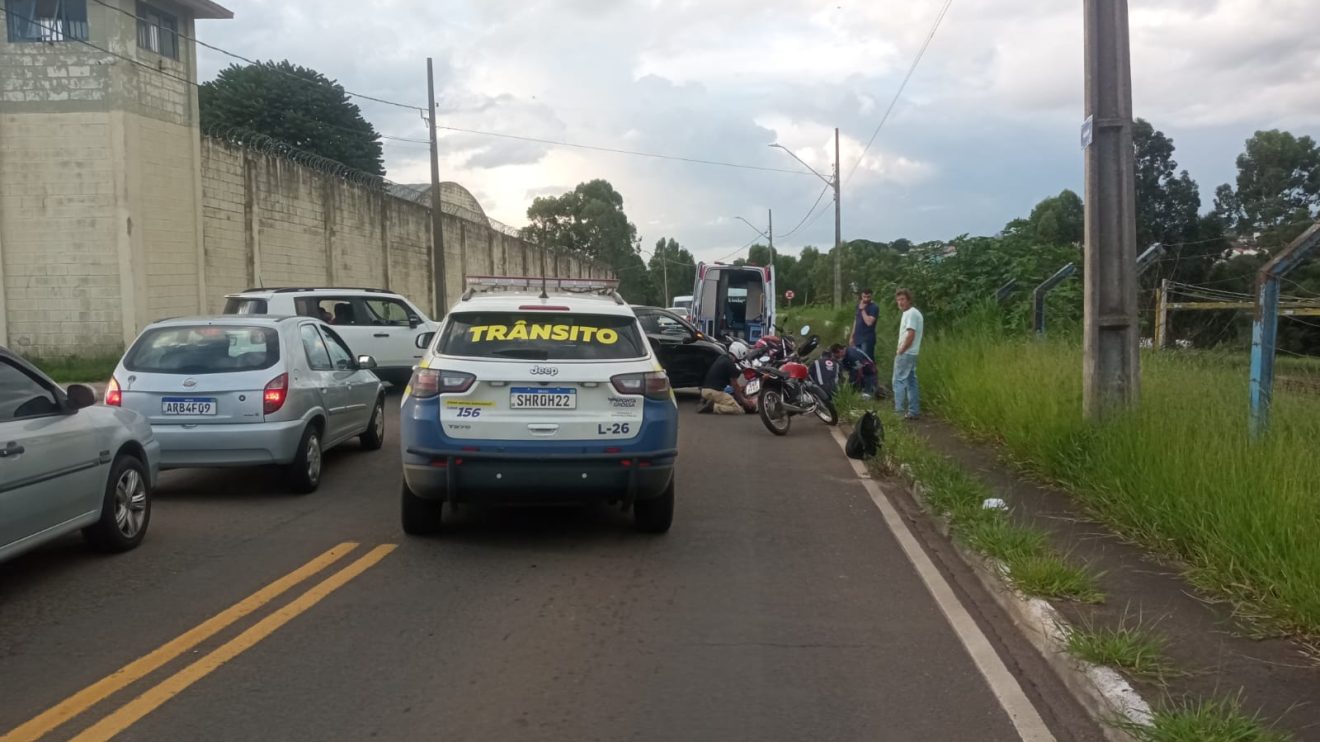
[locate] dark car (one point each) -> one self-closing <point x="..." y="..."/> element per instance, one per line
<point x="685" y="353"/>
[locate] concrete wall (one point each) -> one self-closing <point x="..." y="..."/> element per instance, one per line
<point x="268" y="221"/>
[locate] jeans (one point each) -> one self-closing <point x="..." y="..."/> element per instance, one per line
<point x="866" y="346"/>
<point x="905" y="385"/>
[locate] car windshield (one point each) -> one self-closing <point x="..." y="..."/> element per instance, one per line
<point x="542" y="336"/>
<point x="204" y="349"/>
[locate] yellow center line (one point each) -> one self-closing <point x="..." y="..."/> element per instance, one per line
<point x="93" y="694"/>
<point x="133" y="711"/>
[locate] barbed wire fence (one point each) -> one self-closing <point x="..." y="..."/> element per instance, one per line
<point x="252" y="141"/>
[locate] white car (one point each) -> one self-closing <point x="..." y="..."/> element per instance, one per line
<point x="68" y="465"/>
<point x="525" y="397"/>
<point x="374" y="322"/>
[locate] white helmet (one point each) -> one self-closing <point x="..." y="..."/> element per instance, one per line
<point x="738" y="349"/>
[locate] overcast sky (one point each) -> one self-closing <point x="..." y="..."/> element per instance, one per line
<point x="987" y="127"/>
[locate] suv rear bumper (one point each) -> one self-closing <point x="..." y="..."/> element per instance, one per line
<point x="536" y="478"/>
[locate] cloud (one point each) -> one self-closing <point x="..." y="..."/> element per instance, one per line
<point x="987" y="126"/>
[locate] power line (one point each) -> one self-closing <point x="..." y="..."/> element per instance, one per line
<point x="735" y="252"/>
<point x="242" y="58"/>
<point x="916" y="61"/>
<point x="807" y="215"/>
<point x="617" y="151"/>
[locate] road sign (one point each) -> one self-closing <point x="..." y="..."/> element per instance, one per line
<point x="789" y="295"/>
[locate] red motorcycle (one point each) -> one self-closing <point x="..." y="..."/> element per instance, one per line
<point x="776" y="373"/>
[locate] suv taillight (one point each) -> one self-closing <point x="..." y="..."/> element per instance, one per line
<point x="655" y="385"/>
<point x="277" y="390"/>
<point x="113" y="397"/>
<point x="428" y="382"/>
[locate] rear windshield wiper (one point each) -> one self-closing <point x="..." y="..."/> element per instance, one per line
<point x="524" y="353"/>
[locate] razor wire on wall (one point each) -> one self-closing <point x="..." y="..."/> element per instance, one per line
<point x="267" y="145"/>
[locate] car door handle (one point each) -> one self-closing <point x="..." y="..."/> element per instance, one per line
<point x="381" y="335"/>
<point x="11" y="449"/>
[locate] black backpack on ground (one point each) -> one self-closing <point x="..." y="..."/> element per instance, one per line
<point x="866" y="438"/>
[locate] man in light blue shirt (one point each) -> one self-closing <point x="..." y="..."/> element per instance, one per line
<point x="910" y="330"/>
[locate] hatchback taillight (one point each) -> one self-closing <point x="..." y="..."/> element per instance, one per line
<point x="655" y="385"/>
<point x="277" y="390"/>
<point x="428" y="382"/>
<point x="113" y="397"/>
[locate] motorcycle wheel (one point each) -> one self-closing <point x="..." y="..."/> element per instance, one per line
<point x="825" y="408"/>
<point x="773" y="414"/>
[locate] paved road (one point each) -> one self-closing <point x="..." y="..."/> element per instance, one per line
<point x="780" y="607"/>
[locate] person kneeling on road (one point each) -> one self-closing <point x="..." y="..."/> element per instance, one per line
<point x="723" y="374"/>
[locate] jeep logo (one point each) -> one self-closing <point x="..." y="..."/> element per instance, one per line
<point x="544" y="371"/>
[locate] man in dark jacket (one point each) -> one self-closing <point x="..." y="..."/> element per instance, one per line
<point x="860" y="369"/>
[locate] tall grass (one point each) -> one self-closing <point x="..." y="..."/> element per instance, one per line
<point x="1177" y="474"/>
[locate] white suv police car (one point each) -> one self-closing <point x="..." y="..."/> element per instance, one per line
<point x="524" y="397"/>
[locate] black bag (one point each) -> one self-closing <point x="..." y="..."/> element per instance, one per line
<point x="825" y="372"/>
<point x="866" y="438"/>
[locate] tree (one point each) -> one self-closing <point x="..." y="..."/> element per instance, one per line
<point x="294" y="105"/>
<point x="1278" y="189"/>
<point x="589" y="222"/>
<point x="758" y="254"/>
<point x="673" y="271"/>
<point x="1168" y="202"/>
<point x="1060" y="220"/>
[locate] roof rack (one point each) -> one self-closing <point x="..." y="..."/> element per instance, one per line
<point x="604" y="286"/>
<point x="293" y="289"/>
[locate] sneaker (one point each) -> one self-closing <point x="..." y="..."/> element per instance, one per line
<point x="912" y="417"/>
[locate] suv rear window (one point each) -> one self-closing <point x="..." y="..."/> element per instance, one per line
<point x="240" y="305"/>
<point x="204" y="349"/>
<point x="542" y="336"/>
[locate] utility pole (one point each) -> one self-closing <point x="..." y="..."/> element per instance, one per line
<point x="838" y="230"/>
<point x="1111" y="367"/>
<point x="664" y="268"/>
<point x="437" y="229"/>
<point x="770" y="234"/>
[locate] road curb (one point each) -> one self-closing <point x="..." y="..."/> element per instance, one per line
<point x="1102" y="691"/>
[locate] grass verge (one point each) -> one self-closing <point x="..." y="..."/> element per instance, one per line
<point x="1178" y="474"/>
<point x="1205" y="720"/>
<point x="73" y="369"/>
<point x="1131" y="646"/>
<point x="1032" y="566"/>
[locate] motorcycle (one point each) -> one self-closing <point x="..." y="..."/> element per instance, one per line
<point x="776" y="373"/>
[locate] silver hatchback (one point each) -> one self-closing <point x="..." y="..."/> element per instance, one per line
<point x="244" y="390"/>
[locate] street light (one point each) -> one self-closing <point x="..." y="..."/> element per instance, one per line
<point x="838" y="221"/>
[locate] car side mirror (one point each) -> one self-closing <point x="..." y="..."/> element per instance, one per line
<point x="80" y="396"/>
<point x="366" y="362"/>
<point x="423" y="340"/>
<point x="414" y="321"/>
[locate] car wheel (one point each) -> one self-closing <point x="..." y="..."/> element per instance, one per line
<point x="125" y="510"/>
<point x="657" y="514"/>
<point x="305" y="471"/>
<point x="374" y="438"/>
<point x="420" y="517"/>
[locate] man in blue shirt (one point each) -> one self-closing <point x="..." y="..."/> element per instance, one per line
<point x="863" y="331"/>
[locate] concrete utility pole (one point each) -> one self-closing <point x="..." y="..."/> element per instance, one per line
<point x="437" y="230"/>
<point x="770" y="234"/>
<point x="1111" y="370"/>
<point x="838" y="228"/>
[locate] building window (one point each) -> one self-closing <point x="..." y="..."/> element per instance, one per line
<point x="46" y="20"/>
<point x="158" y="31"/>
